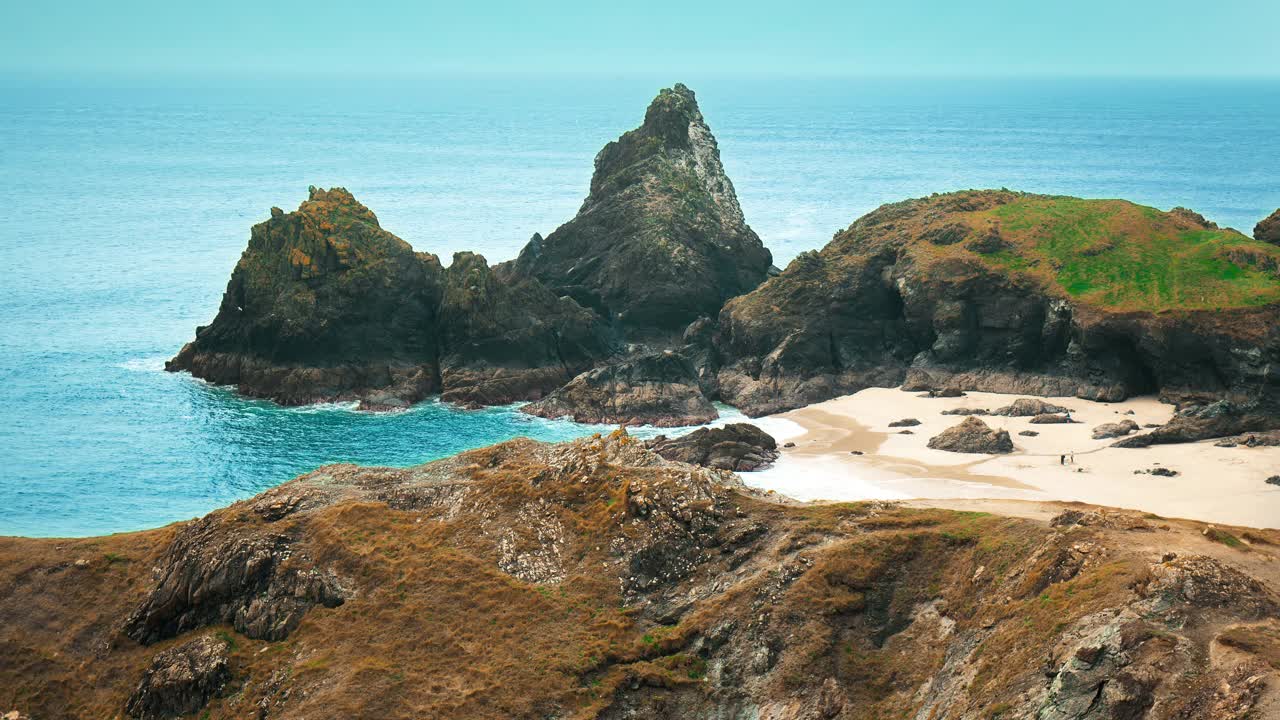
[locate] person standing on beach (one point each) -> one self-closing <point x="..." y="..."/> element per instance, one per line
<point x="1062" y="459"/>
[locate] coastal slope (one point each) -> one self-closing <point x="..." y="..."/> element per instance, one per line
<point x="596" y="579"/>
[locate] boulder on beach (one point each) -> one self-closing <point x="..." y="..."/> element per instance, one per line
<point x="905" y="422"/>
<point x="972" y="436"/>
<point x="1029" y="407"/>
<point x="1051" y="419"/>
<point x="1205" y="421"/>
<point x="1114" y="430"/>
<point x="966" y="411"/>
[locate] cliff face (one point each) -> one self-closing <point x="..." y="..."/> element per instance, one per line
<point x="508" y="338"/>
<point x="326" y="305"/>
<point x="596" y="579"/>
<point x="660" y="239"/>
<point x="1009" y="292"/>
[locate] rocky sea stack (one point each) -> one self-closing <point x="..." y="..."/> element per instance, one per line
<point x="325" y="305"/>
<point x="660" y="239"/>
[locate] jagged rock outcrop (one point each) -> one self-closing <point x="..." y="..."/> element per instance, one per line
<point x="660" y="239"/>
<point x="219" y="570"/>
<point x="972" y="436"/>
<point x="505" y="337"/>
<point x="1268" y="229"/>
<point x="1203" y="421"/>
<point x="904" y="294"/>
<point x="181" y="680"/>
<point x="659" y="388"/>
<point x="741" y="447"/>
<point x="325" y="305"/>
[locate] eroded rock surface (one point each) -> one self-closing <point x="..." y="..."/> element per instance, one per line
<point x="181" y="680"/>
<point x="1115" y="429"/>
<point x="660" y="240"/>
<point x="910" y="293"/>
<point x="1268" y="229"/>
<point x="1203" y="421"/>
<point x="972" y="436"/>
<point x="656" y="389"/>
<point x="740" y="447"/>
<point x="598" y="579"/>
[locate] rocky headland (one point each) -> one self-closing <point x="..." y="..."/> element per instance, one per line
<point x="596" y="579"/>
<point x="657" y="298"/>
<point x="1008" y="292"/>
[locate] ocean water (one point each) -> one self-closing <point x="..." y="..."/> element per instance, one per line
<point x="126" y="209"/>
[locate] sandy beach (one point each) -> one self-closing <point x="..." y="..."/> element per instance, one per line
<point x="1214" y="484"/>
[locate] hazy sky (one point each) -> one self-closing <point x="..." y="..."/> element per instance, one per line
<point x="887" y="37"/>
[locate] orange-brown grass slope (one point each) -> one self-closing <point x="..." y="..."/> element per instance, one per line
<point x="594" y="579"/>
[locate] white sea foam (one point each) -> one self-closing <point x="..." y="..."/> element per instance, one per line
<point x="154" y="363"/>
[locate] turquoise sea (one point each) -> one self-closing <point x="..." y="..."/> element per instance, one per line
<point x="125" y="209"/>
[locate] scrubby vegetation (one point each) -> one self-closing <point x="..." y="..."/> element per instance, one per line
<point x="1125" y="256"/>
<point x="595" y="579"/>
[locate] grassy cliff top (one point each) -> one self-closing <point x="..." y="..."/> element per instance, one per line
<point x="1112" y="254"/>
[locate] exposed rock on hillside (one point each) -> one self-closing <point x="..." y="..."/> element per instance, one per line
<point x="972" y="436"/>
<point x="181" y="680"/>
<point x="660" y="239"/>
<point x="219" y="570"/>
<point x="740" y="447"/>
<point x="596" y="579"/>
<point x="1062" y="311"/>
<point x="656" y="389"/>
<point x="1268" y="230"/>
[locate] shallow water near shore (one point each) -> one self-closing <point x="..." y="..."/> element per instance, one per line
<point x="126" y="210"/>
<point x="206" y="447"/>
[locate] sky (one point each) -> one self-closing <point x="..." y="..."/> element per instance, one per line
<point x="257" y="38"/>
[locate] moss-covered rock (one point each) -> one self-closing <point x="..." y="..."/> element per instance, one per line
<point x="324" y="304"/>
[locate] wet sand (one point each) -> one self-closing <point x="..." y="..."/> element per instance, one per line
<point x="1214" y="484"/>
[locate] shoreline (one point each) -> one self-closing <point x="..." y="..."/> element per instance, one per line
<point x="1214" y="484"/>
